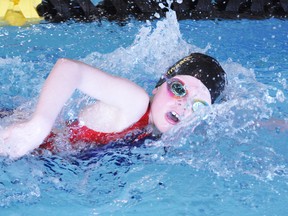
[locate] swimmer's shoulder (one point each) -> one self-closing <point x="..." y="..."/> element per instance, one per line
<point x="102" y="117"/>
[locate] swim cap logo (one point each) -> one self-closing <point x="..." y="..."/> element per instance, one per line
<point x="174" y="69"/>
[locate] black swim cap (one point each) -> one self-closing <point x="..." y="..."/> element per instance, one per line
<point x="202" y="67"/>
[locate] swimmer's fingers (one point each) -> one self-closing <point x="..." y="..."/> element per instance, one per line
<point x="283" y="125"/>
<point x="275" y="124"/>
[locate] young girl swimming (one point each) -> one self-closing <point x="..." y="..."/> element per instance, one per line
<point x="123" y="110"/>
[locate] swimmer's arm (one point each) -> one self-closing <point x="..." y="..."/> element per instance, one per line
<point x="68" y="75"/>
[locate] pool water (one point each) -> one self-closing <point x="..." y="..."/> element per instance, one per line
<point x="229" y="165"/>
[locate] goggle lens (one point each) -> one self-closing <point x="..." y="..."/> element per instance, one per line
<point x="198" y="104"/>
<point x="177" y="88"/>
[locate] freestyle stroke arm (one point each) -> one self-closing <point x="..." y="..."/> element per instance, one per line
<point x="67" y="76"/>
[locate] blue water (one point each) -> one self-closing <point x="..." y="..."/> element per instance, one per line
<point x="228" y="166"/>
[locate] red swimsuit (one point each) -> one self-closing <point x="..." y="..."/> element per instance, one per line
<point x="78" y="133"/>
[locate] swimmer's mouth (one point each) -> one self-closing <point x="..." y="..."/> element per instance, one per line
<point x="172" y="117"/>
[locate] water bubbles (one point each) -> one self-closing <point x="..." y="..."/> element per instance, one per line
<point x="157" y="15"/>
<point x="281" y="80"/>
<point x="162" y="6"/>
<point x="271" y="68"/>
<point x="280" y="96"/>
<point x="268" y="98"/>
<point x="265" y="59"/>
<point x="150" y="52"/>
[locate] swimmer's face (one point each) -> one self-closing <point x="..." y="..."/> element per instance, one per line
<point x="176" y="99"/>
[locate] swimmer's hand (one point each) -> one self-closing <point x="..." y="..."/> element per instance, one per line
<point x="275" y="124"/>
<point x="20" y="139"/>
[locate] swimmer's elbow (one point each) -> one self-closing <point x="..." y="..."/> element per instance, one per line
<point x="65" y="62"/>
<point x="70" y="66"/>
<point x="61" y="61"/>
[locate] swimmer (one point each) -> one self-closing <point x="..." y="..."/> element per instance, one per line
<point x="123" y="110"/>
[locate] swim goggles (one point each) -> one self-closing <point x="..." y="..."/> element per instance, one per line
<point x="178" y="90"/>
